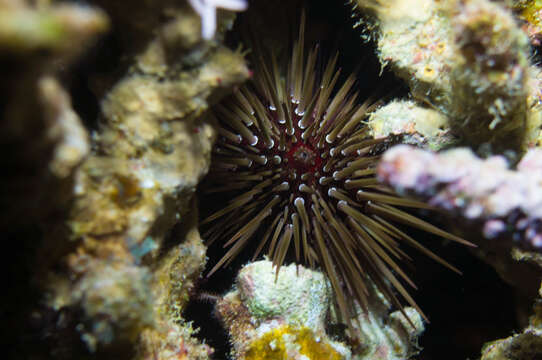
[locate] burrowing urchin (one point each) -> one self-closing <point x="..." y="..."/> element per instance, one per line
<point x="296" y="158"/>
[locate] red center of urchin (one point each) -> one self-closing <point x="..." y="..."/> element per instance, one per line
<point x="303" y="158"/>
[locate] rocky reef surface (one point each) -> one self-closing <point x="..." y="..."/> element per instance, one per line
<point x="272" y="316"/>
<point x="101" y="204"/>
<point x="470" y="62"/>
<point x="107" y="260"/>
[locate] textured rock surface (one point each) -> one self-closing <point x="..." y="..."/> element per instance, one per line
<point x="418" y="125"/>
<point x="268" y="317"/>
<point x="502" y="205"/>
<point x="150" y="153"/>
<point x="107" y="262"/>
<point x="531" y="12"/>
<point x="42" y="138"/>
<point x="468" y="59"/>
<point x="103" y="215"/>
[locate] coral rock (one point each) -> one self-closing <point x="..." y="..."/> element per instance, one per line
<point x="505" y="204"/>
<point x="417" y="125"/>
<point x="467" y="59"/>
<point x="387" y="335"/>
<point x="152" y="148"/>
<point x="272" y="316"/>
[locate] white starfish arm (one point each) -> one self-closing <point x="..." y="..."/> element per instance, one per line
<point x="208" y="23"/>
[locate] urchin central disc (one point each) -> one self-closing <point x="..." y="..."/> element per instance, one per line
<point x="303" y="157"/>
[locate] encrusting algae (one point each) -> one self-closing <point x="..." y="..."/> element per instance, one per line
<point x="286" y="342"/>
<point x="531" y="12"/>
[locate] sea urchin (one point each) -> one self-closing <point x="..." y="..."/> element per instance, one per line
<point x="297" y="157"/>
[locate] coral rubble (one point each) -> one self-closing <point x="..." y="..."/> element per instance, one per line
<point x="385" y="334"/>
